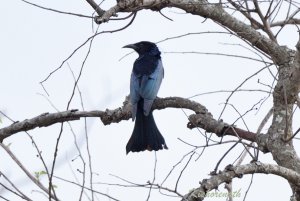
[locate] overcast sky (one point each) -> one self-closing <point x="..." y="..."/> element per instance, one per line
<point x="34" y="42"/>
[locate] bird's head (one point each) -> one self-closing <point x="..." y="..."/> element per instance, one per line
<point x="144" y="47"/>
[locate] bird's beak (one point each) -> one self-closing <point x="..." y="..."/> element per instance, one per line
<point x="132" y="46"/>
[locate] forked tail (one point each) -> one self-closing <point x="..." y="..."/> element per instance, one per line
<point x="145" y="135"/>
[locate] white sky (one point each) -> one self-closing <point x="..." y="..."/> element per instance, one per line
<point x="33" y="42"/>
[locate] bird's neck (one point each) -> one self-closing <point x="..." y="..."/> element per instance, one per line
<point x="145" y="64"/>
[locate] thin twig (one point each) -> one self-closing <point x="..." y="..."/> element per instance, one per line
<point x="218" y="163"/>
<point x="22" y="195"/>
<point x="10" y="190"/>
<point x="174" y="166"/>
<point x="136" y="185"/>
<point x="154" y="176"/>
<point x="229" y="91"/>
<point x="264" y="21"/>
<point x="54" y="159"/>
<point x="183" y="169"/>
<point x="83" y="44"/>
<point x="32" y="178"/>
<point x="87" y="140"/>
<point x="96" y="7"/>
<point x="248" y="189"/>
<point x="87" y="188"/>
<point x="216" y="54"/>
<point x="239" y="86"/>
<point x="57" y="11"/>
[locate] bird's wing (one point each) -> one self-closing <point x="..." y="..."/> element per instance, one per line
<point x="150" y="86"/>
<point x="134" y="93"/>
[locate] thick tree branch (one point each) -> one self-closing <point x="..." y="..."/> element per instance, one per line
<point x="231" y="172"/>
<point x="293" y="85"/>
<point x="44" y="120"/>
<point x="207" y="10"/>
<point x="284" y="97"/>
<point x="202" y="118"/>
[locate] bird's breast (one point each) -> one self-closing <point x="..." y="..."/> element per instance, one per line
<point x="145" y="65"/>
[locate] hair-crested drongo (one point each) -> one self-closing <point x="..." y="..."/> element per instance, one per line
<point x="146" y="77"/>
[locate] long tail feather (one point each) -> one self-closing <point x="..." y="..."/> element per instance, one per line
<point x="145" y="135"/>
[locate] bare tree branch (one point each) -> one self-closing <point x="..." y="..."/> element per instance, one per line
<point x="56" y="11"/>
<point x="266" y="24"/>
<point x="31" y="177"/>
<point x="231" y="172"/>
<point x="254" y="23"/>
<point x="291" y="21"/>
<point x="207" y="10"/>
<point x="83" y="44"/>
<point x="87" y="188"/>
<point x="21" y="194"/>
<point x="202" y="118"/>
<point x="95" y="6"/>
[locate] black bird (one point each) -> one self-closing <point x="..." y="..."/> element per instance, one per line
<point x="146" y="77"/>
